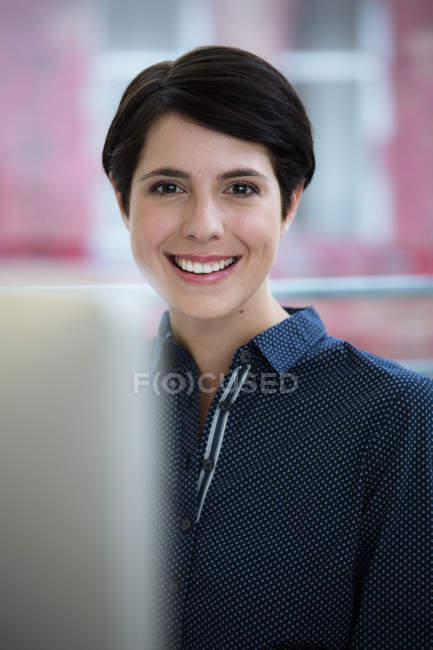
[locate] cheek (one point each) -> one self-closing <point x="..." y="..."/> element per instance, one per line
<point x="139" y="254"/>
<point x="149" y="231"/>
<point x="145" y="242"/>
<point x="259" y="233"/>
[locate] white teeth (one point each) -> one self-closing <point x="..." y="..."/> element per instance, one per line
<point x="197" y="267"/>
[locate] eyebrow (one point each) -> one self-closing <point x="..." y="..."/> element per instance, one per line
<point x="243" y="171"/>
<point x="178" y="173"/>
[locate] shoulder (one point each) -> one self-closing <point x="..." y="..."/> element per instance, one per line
<point x="367" y="373"/>
<point x="389" y="406"/>
<point x="382" y="401"/>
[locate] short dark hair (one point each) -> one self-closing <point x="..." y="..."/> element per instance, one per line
<point x="225" y="89"/>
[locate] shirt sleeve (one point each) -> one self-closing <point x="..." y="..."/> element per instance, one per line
<point x="393" y="576"/>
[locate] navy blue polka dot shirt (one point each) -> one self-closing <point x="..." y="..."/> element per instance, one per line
<point x="303" y="517"/>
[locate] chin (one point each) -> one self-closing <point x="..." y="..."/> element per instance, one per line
<point x="201" y="309"/>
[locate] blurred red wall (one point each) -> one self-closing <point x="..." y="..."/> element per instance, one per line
<point x="46" y="170"/>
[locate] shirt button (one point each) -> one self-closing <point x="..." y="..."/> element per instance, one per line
<point x="224" y="405"/>
<point x="173" y="586"/>
<point x="207" y="464"/>
<point x="186" y="524"/>
<point x="245" y="356"/>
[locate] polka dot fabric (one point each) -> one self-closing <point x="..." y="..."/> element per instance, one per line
<point x="316" y="530"/>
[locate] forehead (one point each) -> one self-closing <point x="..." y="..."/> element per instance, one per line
<point x="174" y="140"/>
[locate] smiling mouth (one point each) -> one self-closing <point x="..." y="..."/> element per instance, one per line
<point x="199" y="268"/>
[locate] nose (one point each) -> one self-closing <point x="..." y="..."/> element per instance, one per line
<point x="202" y="219"/>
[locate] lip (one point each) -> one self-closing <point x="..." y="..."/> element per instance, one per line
<point x="203" y="278"/>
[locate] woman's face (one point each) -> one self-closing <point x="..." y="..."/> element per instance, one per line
<point x="205" y="218"/>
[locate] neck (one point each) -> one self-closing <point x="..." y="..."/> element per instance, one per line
<point x="212" y="342"/>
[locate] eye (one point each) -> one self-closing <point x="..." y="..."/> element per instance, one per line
<point x="242" y="189"/>
<point x="166" y="188"/>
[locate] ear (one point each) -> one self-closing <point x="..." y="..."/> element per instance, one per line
<point x="119" y="203"/>
<point x="286" y="222"/>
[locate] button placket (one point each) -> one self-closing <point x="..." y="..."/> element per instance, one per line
<point x="245" y="356"/>
<point x="225" y="404"/>
<point x="207" y="464"/>
<point x="186" y="524"/>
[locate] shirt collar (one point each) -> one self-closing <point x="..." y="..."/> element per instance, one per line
<point x="164" y="334"/>
<point x="283" y="345"/>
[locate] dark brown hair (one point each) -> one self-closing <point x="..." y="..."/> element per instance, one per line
<point x="225" y="89"/>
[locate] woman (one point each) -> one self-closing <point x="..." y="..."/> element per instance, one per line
<point x="300" y="466"/>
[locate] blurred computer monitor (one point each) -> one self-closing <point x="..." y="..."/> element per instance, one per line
<point x="76" y="451"/>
